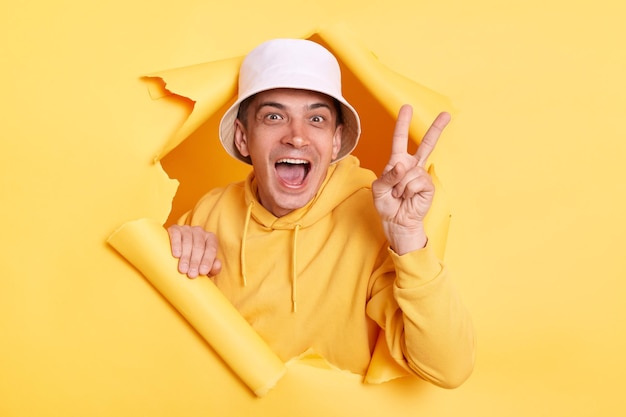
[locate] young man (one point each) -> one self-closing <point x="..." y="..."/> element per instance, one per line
<point x="313" y="250"/>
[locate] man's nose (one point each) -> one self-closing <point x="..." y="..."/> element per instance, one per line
<point x="297" y="134"/>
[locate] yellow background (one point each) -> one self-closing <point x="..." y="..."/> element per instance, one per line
<point x="532" y="164"/>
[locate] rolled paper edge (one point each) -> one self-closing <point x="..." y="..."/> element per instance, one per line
<point x="145" y="244"/>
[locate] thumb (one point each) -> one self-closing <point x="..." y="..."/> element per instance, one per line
<point x="389" y="179"/>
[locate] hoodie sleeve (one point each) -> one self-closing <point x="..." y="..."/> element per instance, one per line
<point x="428" y="329"/>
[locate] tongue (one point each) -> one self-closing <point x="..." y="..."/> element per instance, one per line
<point x="292" y="174"/>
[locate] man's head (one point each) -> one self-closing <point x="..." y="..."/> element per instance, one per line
<point x="291" y="136"/>
<point x="290" y="121"/>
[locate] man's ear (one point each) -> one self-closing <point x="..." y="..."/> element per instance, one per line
<point x="241" y="138"/>
<point x="337" y="141"/>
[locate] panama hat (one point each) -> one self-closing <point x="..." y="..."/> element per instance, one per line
<point x="291" y="63"/>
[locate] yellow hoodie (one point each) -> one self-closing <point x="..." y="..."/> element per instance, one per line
<point x="324" y="277"/>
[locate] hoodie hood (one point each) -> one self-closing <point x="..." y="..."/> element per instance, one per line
<point x="343" y="179"/>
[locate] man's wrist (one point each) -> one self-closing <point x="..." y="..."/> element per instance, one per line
<point x="405" y="241"/>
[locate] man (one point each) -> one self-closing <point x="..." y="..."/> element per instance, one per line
<point x="313" y="250"/>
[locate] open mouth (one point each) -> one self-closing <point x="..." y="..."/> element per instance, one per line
<point x="292" y="172"/>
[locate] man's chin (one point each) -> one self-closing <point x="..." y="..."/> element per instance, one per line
<point x="287" y="202"/>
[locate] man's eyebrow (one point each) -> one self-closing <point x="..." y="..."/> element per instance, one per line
<point x="281" y="106"/>
<point x="274" y="104"/>
<point x="319" y="105"/>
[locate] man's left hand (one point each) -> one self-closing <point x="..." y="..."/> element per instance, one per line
<point x="404" y="192"/>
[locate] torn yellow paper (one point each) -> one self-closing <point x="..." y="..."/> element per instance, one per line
<point x="211" y="85"/>
<point x="389" y="88"/>
<point x="144" y="243"/>
<point x="207" y="85"/>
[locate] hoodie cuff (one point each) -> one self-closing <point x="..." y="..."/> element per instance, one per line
<point x="416" y="268"/>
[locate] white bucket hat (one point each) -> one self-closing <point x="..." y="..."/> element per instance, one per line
<point x="290" y="63"/>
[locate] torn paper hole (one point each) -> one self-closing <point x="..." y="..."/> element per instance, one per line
<point x="207" y="90"/>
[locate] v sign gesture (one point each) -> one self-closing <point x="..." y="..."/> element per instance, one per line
<point x="404" y="192"/>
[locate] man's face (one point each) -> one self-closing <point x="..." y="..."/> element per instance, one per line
<point x="291" y="137"/>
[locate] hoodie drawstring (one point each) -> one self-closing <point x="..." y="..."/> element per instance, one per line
<point x="294" y="277"/>
<point x="243" y="243"/>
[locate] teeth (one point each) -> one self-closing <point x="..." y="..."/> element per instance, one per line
<point x="292" y="161"/>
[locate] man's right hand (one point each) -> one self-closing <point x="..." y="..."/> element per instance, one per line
<point x="196" y="250"/>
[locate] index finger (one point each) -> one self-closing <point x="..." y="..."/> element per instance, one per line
<point x="175" y="240"/>
<point x="431" y="137"/>
<point x="400" y="139"/>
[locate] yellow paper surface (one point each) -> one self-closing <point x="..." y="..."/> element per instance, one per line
<point x="532" y="165"/>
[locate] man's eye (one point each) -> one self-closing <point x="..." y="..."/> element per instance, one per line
<point x="317" y="119"/>
<point x="273" y="116"/>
